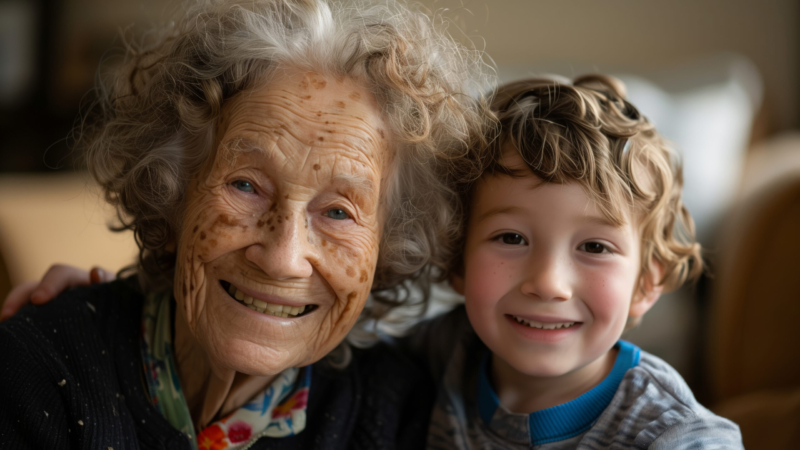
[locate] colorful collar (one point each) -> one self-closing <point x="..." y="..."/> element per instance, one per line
<point x="277" y="412"/>
<point x="562" y="421"/>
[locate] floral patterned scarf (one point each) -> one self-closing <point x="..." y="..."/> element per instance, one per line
<point x="279" y="411"/>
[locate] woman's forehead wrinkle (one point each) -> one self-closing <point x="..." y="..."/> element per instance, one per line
<point x="339" y="140"/>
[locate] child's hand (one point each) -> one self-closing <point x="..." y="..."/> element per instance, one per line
<point x="59" y="278"/>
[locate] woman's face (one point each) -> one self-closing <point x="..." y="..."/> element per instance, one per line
<point x="280" y="234"/>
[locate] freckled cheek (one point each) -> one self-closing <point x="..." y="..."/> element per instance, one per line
<point x="487" y="278"/>
<point x="213" y="228"/>
<point x="347" y="269"/>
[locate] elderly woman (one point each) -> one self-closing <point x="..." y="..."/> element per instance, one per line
<point x="278" y="161"/>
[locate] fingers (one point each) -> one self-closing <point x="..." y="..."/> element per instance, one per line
<point x="100" y="275"/>
<point x="17" y="298"/>
<point x="59" y="278"/>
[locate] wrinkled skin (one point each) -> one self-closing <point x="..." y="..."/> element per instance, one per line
<point x="288" y="209"/>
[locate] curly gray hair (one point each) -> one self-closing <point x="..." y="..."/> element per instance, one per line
<point x="159" y="111"/>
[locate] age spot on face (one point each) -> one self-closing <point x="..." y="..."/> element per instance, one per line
<point x="340" y="104"/>
<point x="318" y="83"/>
<point x="350" y="272"/>
<point x="194" y="230"/>
<point x="202" y="235"/>
<point x="316" y="167"/>
<point x="224" y="220"/>
<point x="364" y="277"/>
<point x="260" y="224"/>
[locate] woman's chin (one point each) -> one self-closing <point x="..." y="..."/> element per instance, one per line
<point x="252" y="359"/>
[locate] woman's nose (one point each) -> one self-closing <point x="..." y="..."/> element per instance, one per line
<point x="548" y="278"/>
<point x="283" y="251"/>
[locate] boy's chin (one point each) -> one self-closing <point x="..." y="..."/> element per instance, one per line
<point x="554" y="365"/>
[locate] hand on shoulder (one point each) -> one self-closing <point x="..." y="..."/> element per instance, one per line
<point x="57" y="279"/>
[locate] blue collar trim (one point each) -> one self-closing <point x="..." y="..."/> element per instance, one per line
<point x="568" y="419"/>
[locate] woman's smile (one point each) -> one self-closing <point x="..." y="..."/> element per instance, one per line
<point x="267" y="303"/>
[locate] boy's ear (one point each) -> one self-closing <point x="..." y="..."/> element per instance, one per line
<point x="457" y="283"/>
<point x="651" y="290"/>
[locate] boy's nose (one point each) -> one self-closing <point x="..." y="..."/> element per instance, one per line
<point x="548" y="279"/>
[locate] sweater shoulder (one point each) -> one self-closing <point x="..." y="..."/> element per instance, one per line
<point x="60" y="371"/>
<point x="652" y="402"/>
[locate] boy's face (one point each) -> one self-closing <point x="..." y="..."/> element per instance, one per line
<point x="543" y="254"/>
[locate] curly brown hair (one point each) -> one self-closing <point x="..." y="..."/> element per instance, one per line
<point x="586" y="132"/>
<point x="160" y="108"/>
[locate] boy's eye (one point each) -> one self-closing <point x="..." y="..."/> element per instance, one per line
<point x="594" y="247"/>
<point x="244" y="186"/>
<point x="512" y="239"/>
<point x="337" y="214"/>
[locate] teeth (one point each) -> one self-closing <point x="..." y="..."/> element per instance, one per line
<point x="264" y="307"/>
<point x="542" y="325"/>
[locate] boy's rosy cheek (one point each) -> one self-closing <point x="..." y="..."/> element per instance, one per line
<point x="484" y="280"/>
<point x="611" y="294"/>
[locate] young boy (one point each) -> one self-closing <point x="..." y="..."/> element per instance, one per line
<point x="572" y="233"/>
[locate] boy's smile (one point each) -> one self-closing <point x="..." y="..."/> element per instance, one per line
<point x="548" y="281"/>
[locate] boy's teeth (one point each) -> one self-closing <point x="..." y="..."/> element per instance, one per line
<point x="542" y="325"/>
<point x="264" y="307"/>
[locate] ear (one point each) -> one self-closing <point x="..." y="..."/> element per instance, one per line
<point x="645" y="298"/>
<point x="457" y="283"/>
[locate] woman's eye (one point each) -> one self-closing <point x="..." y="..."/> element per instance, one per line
<point x="337" y="214"/>
<point x="244" y="186"/>
<point x="512" y="239"/>
<point x="594" y="247"/>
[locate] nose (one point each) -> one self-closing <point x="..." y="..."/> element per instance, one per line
<point x="283" y="252"/>
<point x="549" y="278"/>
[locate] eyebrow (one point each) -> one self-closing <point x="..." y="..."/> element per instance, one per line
<point x="600" y="220"/>
<point x="243" y="145"/>
<point x="497" y="210"/>
<point x="353" y="181"/>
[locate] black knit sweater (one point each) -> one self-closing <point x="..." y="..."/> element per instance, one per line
<point x="70" y="377"/>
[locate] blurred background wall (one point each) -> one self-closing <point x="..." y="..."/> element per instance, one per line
<point x="720" y="78"/>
